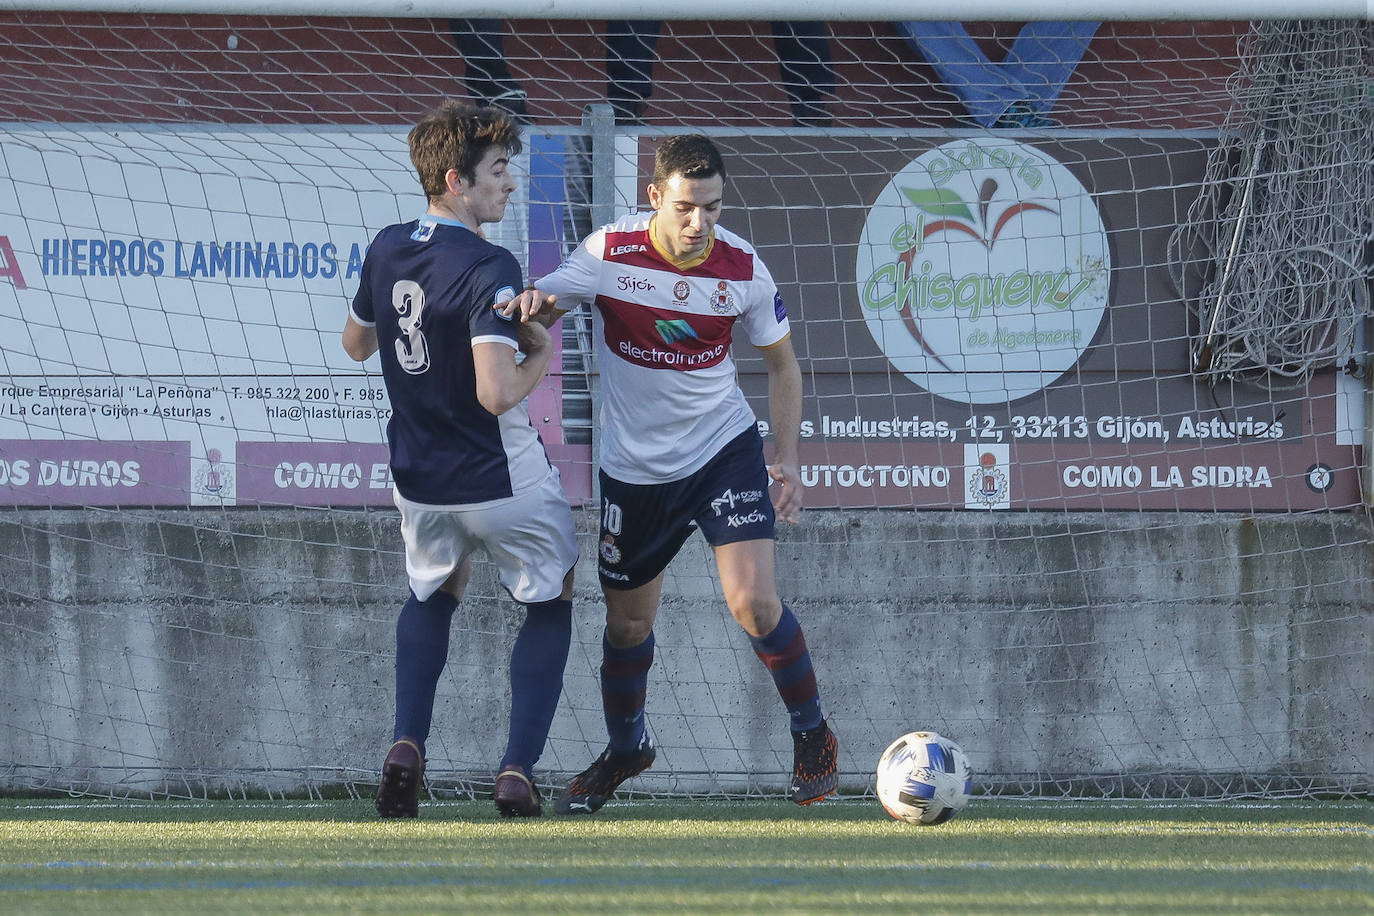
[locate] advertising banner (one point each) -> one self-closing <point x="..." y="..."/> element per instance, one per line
<point x="985" y="322"/>
<point x="992" y="322"/>
<point x="171" y="305"/>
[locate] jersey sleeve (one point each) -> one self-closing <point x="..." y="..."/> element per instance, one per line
<point x="362" y="307"/>
<point x="575" y="280"/>
<point x="500" y="280"/>
<point x="765" y="315"/>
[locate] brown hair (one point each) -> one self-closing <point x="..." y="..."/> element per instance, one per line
<point x="457" y="136"/>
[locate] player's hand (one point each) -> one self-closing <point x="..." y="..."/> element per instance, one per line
<point x="533" y="337"/>
<point x="788" y="502"/>
<point x="530" y="305"/>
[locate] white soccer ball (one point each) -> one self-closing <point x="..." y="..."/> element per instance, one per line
<point x="923" y="778"/>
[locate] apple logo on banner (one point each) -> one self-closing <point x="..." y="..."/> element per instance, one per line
<point x="983" y="270"/>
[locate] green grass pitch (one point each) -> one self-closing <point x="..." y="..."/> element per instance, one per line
<point x="72" y="856"/>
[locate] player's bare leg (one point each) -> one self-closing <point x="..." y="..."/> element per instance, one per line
<point x="747" y="577"/>
<point x="631" y="612"/>
<point x="457" y="583"/>
<point x="627" y="653"/>
<point x="749" y="583"/>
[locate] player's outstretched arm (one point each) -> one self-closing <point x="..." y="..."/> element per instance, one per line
<point x="532" y="305"/>
<point x="503" y="383"/>
<point x="784" y="418"/>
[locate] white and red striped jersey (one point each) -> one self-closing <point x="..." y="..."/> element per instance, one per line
<point x="670" y="399"/>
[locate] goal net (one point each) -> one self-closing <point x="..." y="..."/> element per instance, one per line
<point x="1083" y="318"/>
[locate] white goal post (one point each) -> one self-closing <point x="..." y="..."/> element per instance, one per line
<point x="1087" y="397"/>
<point x="724" y="10"/>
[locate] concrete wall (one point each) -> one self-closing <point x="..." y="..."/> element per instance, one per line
<point x="252" y="649"/>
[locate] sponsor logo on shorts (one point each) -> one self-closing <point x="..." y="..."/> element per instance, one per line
<point x="609" y="552"/>
<point x="731" y="498"/>
<point x="739" y="521"/>
<point x="617" y="576"/>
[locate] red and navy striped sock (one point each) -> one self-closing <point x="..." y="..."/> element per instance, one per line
<point x="624" y="681"/>
<point x="784" y="653"/>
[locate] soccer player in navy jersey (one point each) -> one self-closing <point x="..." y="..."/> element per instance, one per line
<point x="680" y="448"/>
<point x="470" y="471"/>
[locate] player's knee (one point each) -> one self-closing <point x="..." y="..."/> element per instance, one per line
<point x="624" y="633"/>
<point x="757" y="611"/>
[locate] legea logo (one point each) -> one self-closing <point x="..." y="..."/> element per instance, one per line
<point x="983" y="270"/>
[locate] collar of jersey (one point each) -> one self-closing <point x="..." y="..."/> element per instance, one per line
<point x="443" y="221"/>
<point x="676" y="262"/>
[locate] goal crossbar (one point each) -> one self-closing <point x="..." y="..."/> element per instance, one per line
<point x="857" y="11"/>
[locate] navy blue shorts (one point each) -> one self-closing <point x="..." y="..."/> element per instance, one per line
<point x="643" y="526"/>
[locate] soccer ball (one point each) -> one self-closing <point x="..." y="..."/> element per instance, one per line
<point x="923" y="778"/>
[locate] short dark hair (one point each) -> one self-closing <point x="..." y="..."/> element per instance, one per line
<point x="457" y="136"/>
<point x="688" y="155"/>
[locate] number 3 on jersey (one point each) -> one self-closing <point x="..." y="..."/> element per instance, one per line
<point x="411" y="350"/>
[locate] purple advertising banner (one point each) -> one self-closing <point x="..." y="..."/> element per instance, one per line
<point x="313" y="474"/>
<point x="1242" y="477"/>
<point x="59" y="472"/>
<point x="355" y="473"/>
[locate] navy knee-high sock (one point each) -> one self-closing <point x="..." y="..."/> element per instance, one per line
<point x="421" y="652"/>
<point x="784" y="653"/>
<point x="624" y="682"/>
<point x="536" y="679"/>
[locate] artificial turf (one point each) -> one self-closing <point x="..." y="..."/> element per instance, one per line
<point x="72" y="856"/>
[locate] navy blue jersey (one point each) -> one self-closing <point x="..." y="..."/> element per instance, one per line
<point x="428" y="287"/>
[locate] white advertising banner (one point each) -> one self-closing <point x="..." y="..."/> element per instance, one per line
<point x="171" y="302"/>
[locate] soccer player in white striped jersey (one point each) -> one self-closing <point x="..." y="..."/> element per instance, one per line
<point x="680" y="448"/>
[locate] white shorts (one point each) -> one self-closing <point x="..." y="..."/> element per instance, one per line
<point x="530" y="538"/>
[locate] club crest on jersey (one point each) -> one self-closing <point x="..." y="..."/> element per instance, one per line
<point x="504" y="294"/>
<point x="722" y="300"/>
<point x="681" y="289"/>
<point x="609" y="552"/>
